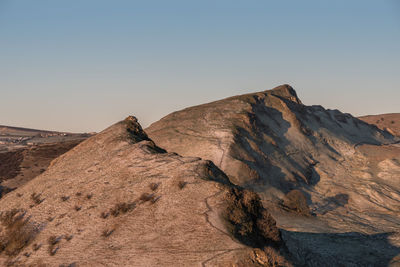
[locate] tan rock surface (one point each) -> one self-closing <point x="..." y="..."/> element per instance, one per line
<point x="271" y="143"/>
<point x="118" y="200"/>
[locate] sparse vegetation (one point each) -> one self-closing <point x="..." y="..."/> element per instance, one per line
<point x="64" y="198"/>
<point x="77" y="208"/>
<point x="181" y="184"/>
<point x="154" y="199"/>
<point x="17" y="231"/>
<point x="89" y="196"/>
<point x="121" y="208"/>
<point x="53" y="241"/>
<point x="36" y="247"/>
<point x="146" y="197"/>
<point x="104" y="215"/>
<point x="153" y="186"/>
<point x="107" y="232"/>
<point x="36" y="198"/>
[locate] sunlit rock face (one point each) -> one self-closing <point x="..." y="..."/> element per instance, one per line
<point x="348" y="170"/>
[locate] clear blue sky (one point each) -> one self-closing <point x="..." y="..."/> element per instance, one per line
<point x="81" y="65"/>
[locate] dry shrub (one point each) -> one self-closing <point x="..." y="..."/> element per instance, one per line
<point x="146" y="197"/>
<point x="104" y="215"/>
<point x="77" y="208"/>
<point x="64" y="198"/>
<point x="36" y="247"/>
<point x="153" y="186"/>
<point x="89" y="196"/>
<point x="154" y="199"/>
<point x="248" y="221"/>
<point x="296" y="201"/>
<point x="17" y="232"/>
<point x="107" y="232"/>
<point x="36" y="198"/>
<point x="181" y="184"/>
<point x="53" y="241"/>
<point x="121" y="207"/>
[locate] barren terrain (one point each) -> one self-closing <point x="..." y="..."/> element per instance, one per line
<point x="347" y="171"/>
<point x="117" y="199"/>
<point x="252" y="180"/>
<point x="389" y="122"/>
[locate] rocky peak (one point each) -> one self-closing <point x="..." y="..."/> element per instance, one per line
<point x="134" y="129"/>
<point x="285" y="91"/>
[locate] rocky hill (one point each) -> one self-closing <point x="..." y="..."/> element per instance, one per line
<point x="331" y="179"/>
<point x="117" y="199"/>
<point x="389" y="122"/>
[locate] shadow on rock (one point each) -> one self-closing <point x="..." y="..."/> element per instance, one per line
<point x="341" y="249"/>
<point x="332" y="203"/>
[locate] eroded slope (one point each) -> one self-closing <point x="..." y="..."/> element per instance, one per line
<point x="272" y="143"/>
<point x="119" y="200"/>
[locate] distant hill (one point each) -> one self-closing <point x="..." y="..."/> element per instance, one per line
<point x="389" y="122"/>
<point x="26" y="153"/>
<point x="20" y="131"/>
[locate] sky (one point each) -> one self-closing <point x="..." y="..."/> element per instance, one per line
<point x="82" y="65"/>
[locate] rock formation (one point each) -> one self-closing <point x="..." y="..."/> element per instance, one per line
<point x="348" y="170"/>
<point x="117" y="199"/>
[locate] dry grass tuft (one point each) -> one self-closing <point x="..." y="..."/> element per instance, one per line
<point x="121" y="208"/>
<point x="36" y="247"/>
<point x="146" y="197"/>
<point x="36" y="198"/>
<point x="53" y="241"/>
<point x="17" y="231"/>
<point x="64" y="198"/>
<point x="107" y="232"/>
<point x="154" y="186"/>
<point x="181" y="184"/>
<point x="104" y="215"/>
